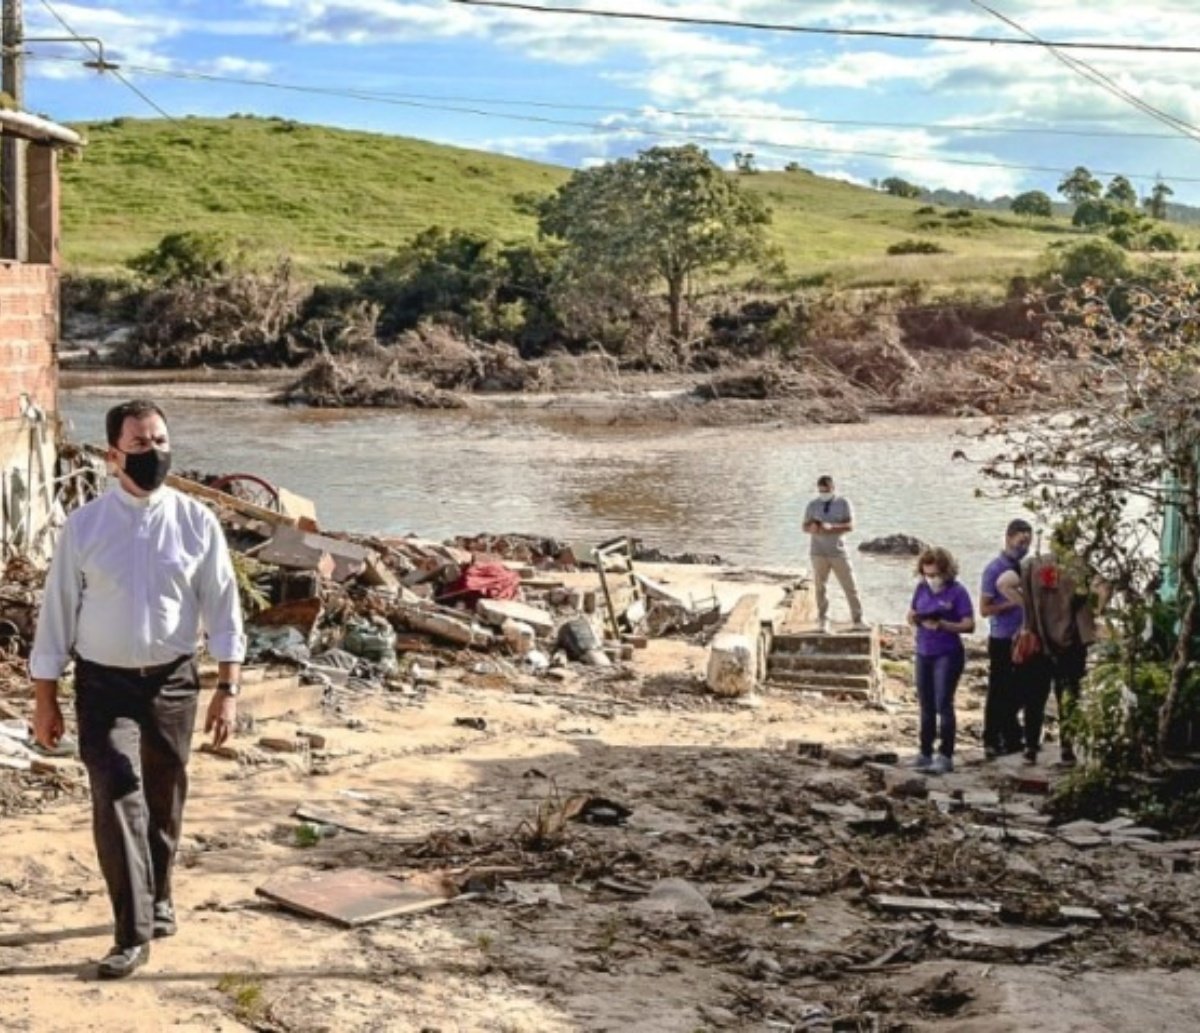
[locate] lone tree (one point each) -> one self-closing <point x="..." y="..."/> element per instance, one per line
<point x="1120" y="191"/>
<point x="670" y="213"/>
<point x="1156" y="203"/>
<point x="898" y="187"/>
<point x="1032" y="204"/>
<point x="1124" y="457"/>
<point x="1080" y="185"/>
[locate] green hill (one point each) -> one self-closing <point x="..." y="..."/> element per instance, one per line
<point x="325" y="195"/>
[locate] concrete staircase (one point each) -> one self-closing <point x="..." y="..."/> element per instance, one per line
<point x="843" y="663"/>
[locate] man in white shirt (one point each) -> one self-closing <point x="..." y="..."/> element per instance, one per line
<point x="136" y="575"/>
<point x="828" y="519"/>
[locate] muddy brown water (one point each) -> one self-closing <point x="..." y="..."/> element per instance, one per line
<point x="738" y="492"/>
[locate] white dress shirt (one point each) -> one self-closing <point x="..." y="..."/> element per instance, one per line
<point x="133" y="581"/>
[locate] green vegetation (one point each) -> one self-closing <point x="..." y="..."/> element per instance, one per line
<point x="327" y="196"/>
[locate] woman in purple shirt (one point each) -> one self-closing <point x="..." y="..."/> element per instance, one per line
<point x="942" y="613"/>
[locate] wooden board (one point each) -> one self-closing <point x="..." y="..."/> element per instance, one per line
<point x="354" y="896"/>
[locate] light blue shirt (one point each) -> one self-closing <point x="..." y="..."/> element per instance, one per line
<point x="133" y="582"/>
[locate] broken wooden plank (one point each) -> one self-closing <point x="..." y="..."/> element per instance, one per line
<point x="937" y="905"/>
<point x="353" y="896"/>
<point x="222" y="498"/>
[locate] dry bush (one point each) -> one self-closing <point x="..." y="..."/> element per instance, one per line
<point x="244" y="319"/>
<point x="331" y="383"/>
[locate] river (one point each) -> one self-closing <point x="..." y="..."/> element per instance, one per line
<point x="738" y="491"/>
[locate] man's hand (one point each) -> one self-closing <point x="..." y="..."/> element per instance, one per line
<point x="221" y="717"/>
<point x="48" y="726"/>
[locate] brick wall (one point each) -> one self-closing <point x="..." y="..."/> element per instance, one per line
<point x="28" y="337"/>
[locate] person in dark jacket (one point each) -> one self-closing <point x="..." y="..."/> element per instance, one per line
<point x="1060" y="600"/>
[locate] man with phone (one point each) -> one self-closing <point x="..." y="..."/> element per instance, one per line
<point x="828" y="519"/>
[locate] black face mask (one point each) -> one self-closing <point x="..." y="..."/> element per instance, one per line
<point x="148" y="469"/>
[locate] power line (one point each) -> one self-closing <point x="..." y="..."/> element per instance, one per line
<point x="811" y="30"/>
<point x="1099" y="78"/>
<point x="115" y="72"/>
<point x="606" y="129"/>
<point x="387" y="97"/>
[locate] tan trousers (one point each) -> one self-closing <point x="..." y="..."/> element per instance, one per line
<point x="839" y="566"/>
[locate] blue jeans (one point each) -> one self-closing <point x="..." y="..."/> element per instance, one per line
<point x="937" y="678"/>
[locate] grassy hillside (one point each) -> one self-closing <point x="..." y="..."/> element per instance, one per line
<point x="321" y="195"/>
<point x="326" y="195"/>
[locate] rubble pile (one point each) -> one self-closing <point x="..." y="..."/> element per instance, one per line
<point x="828" y="868"/>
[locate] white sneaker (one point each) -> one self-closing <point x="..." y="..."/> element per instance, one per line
<point x="923" y="762"/>
<point x="860" y="626"/>
<point x="823" y="626"/>
<point x="942" y="765"/>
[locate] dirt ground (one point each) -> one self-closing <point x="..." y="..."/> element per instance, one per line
<point x="561" y="926"/>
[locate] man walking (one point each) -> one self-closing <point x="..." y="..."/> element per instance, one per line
<point x="1001" y="726"/>
<point x="828" y="519"/>
<point x="136" y="574"/>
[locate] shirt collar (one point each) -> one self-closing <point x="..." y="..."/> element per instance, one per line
<point x="151" y="501"/>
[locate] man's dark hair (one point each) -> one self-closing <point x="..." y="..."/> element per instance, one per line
<point x="1018" y="526"/>
<point x="824" y="481"/>
<point x="138" y="408"/>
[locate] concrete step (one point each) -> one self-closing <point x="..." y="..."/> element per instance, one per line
<point x="860" y="682"/>
<point x="860" y="643"/>
<point x="834" y="663"/>
<point x="840" y="691"/>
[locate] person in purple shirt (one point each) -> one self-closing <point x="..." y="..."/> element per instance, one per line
<point x="942" y="613"/>
<point x="1001" y="711"/>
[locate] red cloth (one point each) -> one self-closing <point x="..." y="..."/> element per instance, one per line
<point x="483" y="581"/>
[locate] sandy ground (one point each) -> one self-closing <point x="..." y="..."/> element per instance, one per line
<point x="720" y="797"/>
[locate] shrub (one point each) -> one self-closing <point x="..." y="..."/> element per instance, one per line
<point x="1093" y="259"/>
<point x="916" y="247"/>
<point x="187" y="257"/>
<point x="1164" y="240"/>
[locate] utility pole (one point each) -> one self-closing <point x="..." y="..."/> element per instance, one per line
<point x="14" y="221"/>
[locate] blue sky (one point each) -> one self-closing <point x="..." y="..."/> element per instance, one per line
<point x="854" y="108"/>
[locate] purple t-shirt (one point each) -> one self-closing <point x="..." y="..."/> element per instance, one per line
<point x="951" y="603"/>
<point x="1008" y="623"/>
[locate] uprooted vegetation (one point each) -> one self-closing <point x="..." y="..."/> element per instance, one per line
<point x="449" y="313"/>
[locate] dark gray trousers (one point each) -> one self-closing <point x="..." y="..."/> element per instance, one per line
<point x="135" y="733"/>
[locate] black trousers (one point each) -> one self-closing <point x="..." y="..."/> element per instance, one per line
<point x="135" y="733"/>
<point x="1005" y="698"/>
<point x="1062" y="672"/>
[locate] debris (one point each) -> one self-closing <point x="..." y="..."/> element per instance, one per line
<point x="477" y="723"/>
<point x="497" y="611"/>
<point x="534" y="893"/>
<point x="1010" y="939"/>
<point x="676" y="897"/>
<point x="353" y="896"/>
<point x="1080" y="914"/>
<point x="894" y="545"/>
<point x="945" y="906"/>
<point x="306" y="550"/>
<point x="306" y="812"/>
<point x="595" y="810"/>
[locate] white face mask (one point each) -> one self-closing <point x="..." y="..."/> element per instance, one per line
<point x="825" y="493"/>
<point x="935" y="583"/>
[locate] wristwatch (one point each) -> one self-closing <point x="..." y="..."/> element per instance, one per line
<point x="230" y="688"/>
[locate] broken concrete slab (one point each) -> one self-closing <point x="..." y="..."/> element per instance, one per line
<point x="1013" y="939"/>
<point x="497" y="611"/>
<point x="305" y="550"/>
<point x="737" y="657"/>
<point x="676" y="897"/>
